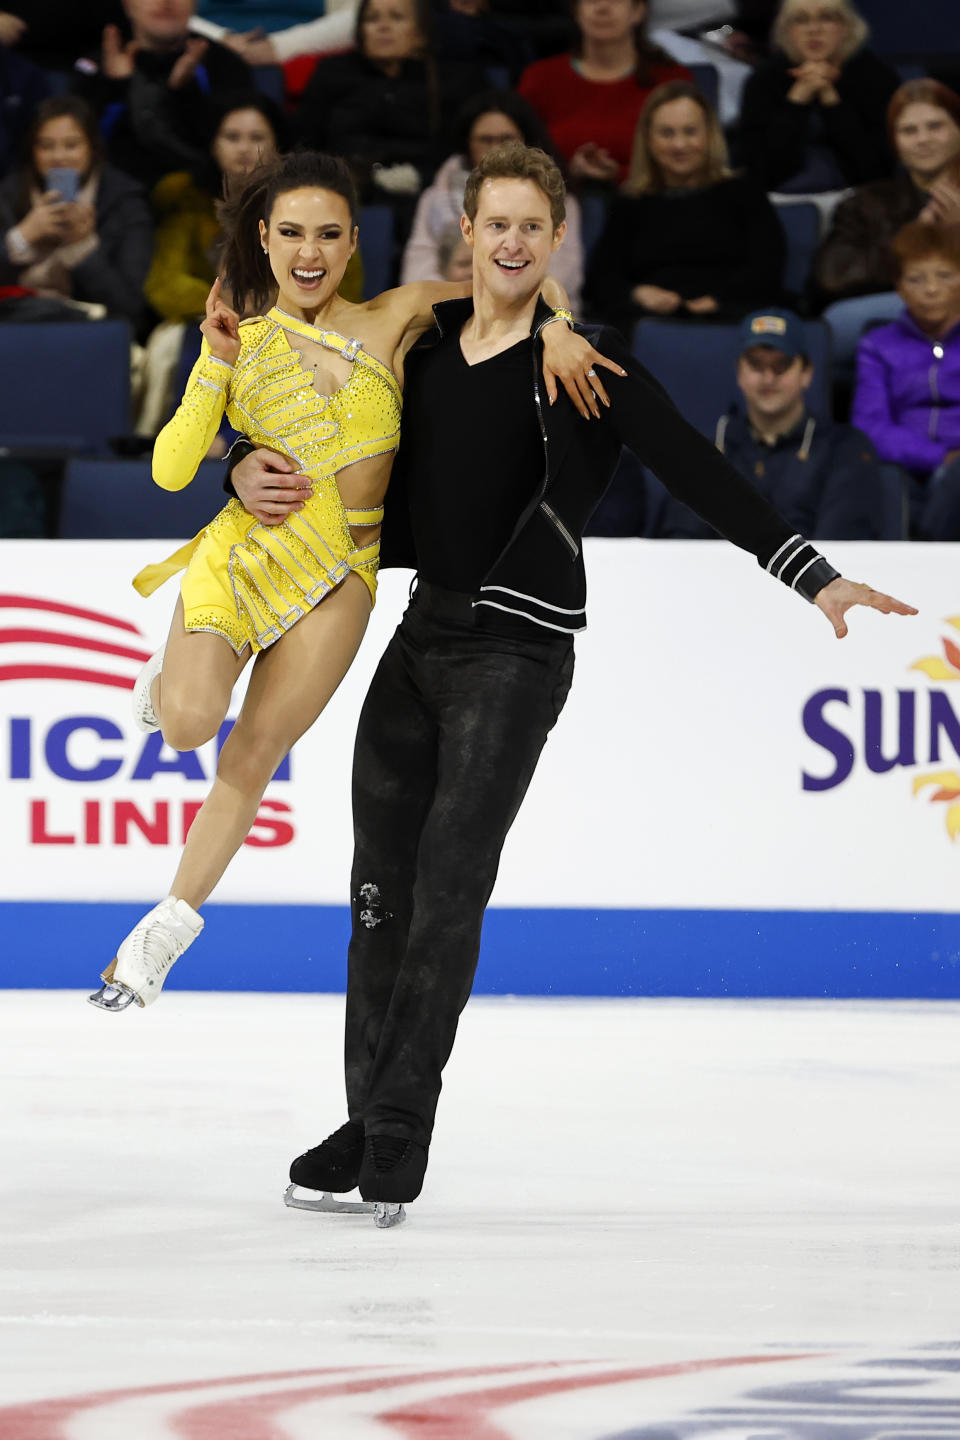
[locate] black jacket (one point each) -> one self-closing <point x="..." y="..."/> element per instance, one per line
<point x="150" y="129"/>
<point x="723" y="240"/>
<point x="540" y="573"/>
<point x="353" y="109"/>
<point x="823" y="477"/>
<point x="775" y="133"/>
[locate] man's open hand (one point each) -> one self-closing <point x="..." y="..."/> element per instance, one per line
<point x="841" y="595"/>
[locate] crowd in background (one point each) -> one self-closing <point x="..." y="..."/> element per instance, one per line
<point x="684" y="128"/>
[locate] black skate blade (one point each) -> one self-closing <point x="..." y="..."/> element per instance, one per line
<point x="113" y="998"/>
<point x="326" y="1204"/>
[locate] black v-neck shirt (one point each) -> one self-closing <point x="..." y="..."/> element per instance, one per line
<point x="479" y="457"/>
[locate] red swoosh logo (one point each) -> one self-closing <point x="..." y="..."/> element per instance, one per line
<point x="75" y="642"/>
<point x="27" y="602"/>
<point x="64" y="672"/>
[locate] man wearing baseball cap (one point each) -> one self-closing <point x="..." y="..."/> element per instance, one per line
<point x="823" y="477"/>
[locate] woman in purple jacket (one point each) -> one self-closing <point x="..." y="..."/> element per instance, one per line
<point x="908" y="378"/>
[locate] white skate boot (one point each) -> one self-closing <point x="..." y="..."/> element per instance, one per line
<point x="145" y="958"/>
<point x="144" y="715"/>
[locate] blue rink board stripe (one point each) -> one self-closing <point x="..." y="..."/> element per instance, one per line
<point x="525" y="952"/>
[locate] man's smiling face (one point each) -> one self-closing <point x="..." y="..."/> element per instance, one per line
<point x="513" y="238"/>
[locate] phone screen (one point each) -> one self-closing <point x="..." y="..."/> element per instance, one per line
<point x="66" y="182"/>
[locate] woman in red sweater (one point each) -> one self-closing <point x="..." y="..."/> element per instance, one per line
<point x="590" y="100"/>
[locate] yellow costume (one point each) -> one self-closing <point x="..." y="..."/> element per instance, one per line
<point x="247" y="581"/>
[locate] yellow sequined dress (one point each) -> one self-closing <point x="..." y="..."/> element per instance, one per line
<point x="247" y="581"/>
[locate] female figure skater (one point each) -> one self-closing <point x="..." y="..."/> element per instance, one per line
<point x="318" y="379"/>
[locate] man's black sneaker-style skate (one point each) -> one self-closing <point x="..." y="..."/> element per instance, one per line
<point x="334" y="1164"/>
<point x="393" y="1169"/>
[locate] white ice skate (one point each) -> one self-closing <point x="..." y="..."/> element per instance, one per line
<point x="144" y="715"/>
<point x="385" y="1215"/>
<point x="145" y="958"/>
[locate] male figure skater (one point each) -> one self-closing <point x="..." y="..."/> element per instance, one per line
<point x="490" y="493"/>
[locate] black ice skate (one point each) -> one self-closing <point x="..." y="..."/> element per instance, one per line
<point x="393" y="1169"/>
<point x="333" y="1167"/>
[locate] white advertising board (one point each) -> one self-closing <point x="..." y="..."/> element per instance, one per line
<point x="720" y="749"/>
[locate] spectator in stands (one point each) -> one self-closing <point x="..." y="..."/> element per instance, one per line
<point x="907" y="396"/>
<point x="385" y="104"/>
<point x="155" y="92"/>
<point x="186" y="253"/>
<point x="854" y="271"/>
<point x="491" y="118"/>
<point x="455" y="257"/>
<point x="686" y="237"/>
<point x="463" y="30"/>
<point x="590" y="100"/>
<point x="22" y="86"/>
<point x="823" y="477"/>
<point x="55" y="34"/>
<point x="813" y="114"/>
<point x="93" y="249"/>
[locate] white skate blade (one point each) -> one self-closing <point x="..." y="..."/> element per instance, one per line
<point x="114" y="998"/>
<point x="384" y="1216"/>
<point x="326" y="1204"/>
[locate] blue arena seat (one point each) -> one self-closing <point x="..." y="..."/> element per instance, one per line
<point x="117" y="500"/>
<point x="929" y="29"/>
<point x="268" y="80"/>
<point x="593" y="217"/>
<point x="66" y="387"/>
<point x="801" y="225"/>
<point x="707" y="80"/>
<point x="894" y="503"/>
<point x="376" y="248"/>
<point x="696" y="364"/>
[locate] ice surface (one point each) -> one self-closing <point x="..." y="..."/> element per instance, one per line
<point x="616" y="1189"/>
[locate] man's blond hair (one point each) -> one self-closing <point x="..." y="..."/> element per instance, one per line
<point x="516" y="161"/>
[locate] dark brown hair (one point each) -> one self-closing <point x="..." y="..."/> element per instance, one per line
<point x="244" y="266"/>
<point x="56" y="107"/>
<point x="518" y="162"/>
<point x="648" y="54"/>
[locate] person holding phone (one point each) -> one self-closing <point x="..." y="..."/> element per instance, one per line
<point x="74" y="230"/>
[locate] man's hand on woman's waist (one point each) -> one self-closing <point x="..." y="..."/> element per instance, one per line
<point x="269" y="486"/>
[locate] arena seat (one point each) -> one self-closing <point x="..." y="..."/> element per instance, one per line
<point x="117" y="500"/>
<point x="376" y="249"/>
<point x="923" y="30"/>
<point x="707" y="80"/>
<point x="696" y="364"/>
<point x="895" y="503"/>
<point x="801" y="226"/>
<point x="593" y="217"/>
<point x="66" y="387"/>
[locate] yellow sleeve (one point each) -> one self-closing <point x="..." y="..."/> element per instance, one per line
<point x="184" y="441"/>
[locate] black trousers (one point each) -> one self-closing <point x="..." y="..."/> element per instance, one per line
<point x="448" y="740"/>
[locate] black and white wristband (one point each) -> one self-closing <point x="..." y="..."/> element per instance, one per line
<point x="801" y="567"/>
<point x="239" y="450"/>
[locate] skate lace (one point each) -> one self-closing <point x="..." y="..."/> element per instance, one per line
<point x="160" y="949"/>
<point x="387" y="1151"/>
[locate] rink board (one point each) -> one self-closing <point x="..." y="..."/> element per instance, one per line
<point x="731" y="803"/>
<point x="708" y="954"/>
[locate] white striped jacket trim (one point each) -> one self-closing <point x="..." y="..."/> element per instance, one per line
<point x="534" y="620"/>
<point x="794" y="540"/>
<point x="543" y="604"/>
